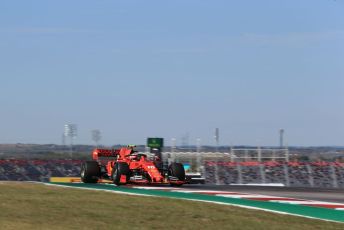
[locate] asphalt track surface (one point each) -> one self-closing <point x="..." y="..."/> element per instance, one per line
<point x="319" y="194"/>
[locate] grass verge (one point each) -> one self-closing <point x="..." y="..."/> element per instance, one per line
<point x="36" y="206"/>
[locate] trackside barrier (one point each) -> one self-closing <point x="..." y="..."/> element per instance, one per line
<point x="72" y="180"/>
<point x="260" y="166"/>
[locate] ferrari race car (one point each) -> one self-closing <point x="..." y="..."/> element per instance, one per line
<point x="129" y="166"/>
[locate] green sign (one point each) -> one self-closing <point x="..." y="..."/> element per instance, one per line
<point x="154" y="142"/>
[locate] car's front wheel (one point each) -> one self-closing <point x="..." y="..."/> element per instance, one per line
<point x="120" y="169"/>
<point x="176" y="171"/>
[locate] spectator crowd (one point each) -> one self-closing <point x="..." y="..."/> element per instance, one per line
<point x="294" y="174"/>
<point x="38" y="170"/>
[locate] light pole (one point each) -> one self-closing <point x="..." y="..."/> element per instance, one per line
<point x="217" y="138"/>
<point x="281" y="133"/>
<point x="96" y="136"/>
<point x="173" y="149"/>
<point x="70" y="130"/>
<point x="198" y="146"/>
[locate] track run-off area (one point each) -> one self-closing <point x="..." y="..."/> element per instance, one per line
<point x="323" y="210"/>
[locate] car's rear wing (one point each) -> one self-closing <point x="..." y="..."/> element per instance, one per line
<point x="105" y="153"/>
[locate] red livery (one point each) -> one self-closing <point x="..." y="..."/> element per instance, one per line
<point x="130" y="166"/>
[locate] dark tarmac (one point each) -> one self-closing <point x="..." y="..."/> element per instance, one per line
<point x="318" y="194"/>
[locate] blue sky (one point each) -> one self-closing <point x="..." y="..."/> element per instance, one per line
<point x="135" y="69"/>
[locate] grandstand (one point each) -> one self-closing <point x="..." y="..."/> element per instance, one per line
<point x="238" y="166"/>
<point x="262" y="166"/>
<point x="38" y="170"/>
<point x="291" y="174"/>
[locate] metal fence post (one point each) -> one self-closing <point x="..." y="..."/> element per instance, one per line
<point x="286" y="175"/>
<point x="262" y="173"/>
<point x="240" y="181"/>
<point x="334" y="176"/>
<point x="287" y="155"/>
<point x="217" y="178"/>
<point x="259" y="154"/>
<point x="310" y="175"/>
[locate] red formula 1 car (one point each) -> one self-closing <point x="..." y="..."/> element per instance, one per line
<point x="129" y="166"/>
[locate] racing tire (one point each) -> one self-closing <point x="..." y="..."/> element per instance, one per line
<point x="177" y="170"/>
<point x="90" y="172"/>
<point x="120" y="168"/>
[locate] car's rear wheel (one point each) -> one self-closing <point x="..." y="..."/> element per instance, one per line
<point x="120" y="169"/>
<point x="90" y="172"/>
<point x="176" y="170"/>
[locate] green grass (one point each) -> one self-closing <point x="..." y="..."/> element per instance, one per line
<point x="35" y="206"/>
